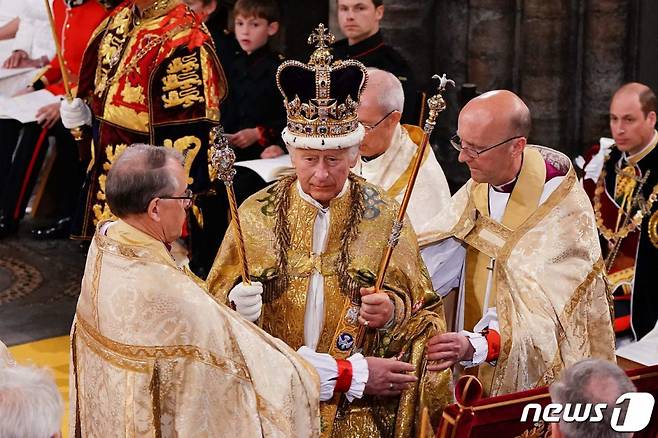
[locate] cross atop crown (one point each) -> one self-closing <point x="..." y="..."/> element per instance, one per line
<point x="321" y="37"/>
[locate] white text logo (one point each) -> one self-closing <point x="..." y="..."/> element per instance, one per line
<point x="638" y="414"/>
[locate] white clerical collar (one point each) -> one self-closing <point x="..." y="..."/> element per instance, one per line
<point x="505" y="188"/>
<point x="649" y="145"/>
<point x="306" y="197"/>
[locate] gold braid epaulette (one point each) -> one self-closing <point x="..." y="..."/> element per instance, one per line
<point x="283" y="239"/>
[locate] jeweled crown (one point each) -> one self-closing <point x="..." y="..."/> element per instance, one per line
<point x="322" y="97"/>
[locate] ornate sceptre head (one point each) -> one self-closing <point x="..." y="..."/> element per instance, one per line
<point x="221" y="160"/>
<point x="436" y="105"/>
<point x="222" y="157"/>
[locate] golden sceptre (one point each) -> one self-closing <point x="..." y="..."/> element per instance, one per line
<point x="222" y="159"/>
<point x="436" y="105"/>
<point x="76" y="132"/>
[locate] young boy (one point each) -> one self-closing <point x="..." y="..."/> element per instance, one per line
<point x="253" y="114"/>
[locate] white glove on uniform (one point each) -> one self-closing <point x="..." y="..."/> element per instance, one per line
<point x="75" y="113"/>
<point x="595" y="166"/>
<point x="248" y="299"/>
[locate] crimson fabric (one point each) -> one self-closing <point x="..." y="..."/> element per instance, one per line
<point x="500" y="416"/>
<point x="344" y="379"/>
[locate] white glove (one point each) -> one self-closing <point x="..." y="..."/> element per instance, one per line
<point x="595" y="166"/>
<point x="248" y="299"/>
<point x="75" y="113"/>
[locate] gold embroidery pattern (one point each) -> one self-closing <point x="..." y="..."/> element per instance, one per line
<point x="540" y="430"/>
<point x="653" y="228"/>
<point x="632" y="224"/>
<point x="181" y="86"/>
<point x="109" y="52"/>
<point x="189" y="147"/>
<point x="101" y="210"/>
<point x="132" y="94"/>
<point x="123" y="353"/>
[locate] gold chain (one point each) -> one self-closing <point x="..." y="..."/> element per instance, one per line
<point x="634" y="223"/>
<point x="151" y="44"/>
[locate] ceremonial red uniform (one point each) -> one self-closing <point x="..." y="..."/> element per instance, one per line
<point x="74" y="26"/>
<point x="151" y="78"/>
<point x="24" y="146"/>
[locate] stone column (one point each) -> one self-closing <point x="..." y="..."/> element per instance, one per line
<point x="491" y="43"/>
<point x="542" y="62"/>
<point x="604" y="63"/>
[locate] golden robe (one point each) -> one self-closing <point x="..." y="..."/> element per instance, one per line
<point x="153" y="354"/>
<point x="278" y="231"/>
<point x="551" y="294"/>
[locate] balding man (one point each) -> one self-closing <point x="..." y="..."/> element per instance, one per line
<point x="520" y="242"/>
<point x="621" y="178"/>
<point x="152" y="352"/>
<point x="389" y="150"/>
<point x="591" y="381"/>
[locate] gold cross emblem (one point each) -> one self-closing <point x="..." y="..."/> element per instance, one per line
<point x="321" y="37"/>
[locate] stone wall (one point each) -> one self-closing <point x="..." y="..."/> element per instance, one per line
<point x="564" y="57"/>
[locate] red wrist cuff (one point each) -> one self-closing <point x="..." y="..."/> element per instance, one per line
<point x="344" y="379"/>
<point x="493" y="344"/>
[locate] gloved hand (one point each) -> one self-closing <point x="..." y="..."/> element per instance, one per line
<point x="248" y="299"/>
<point x="595" y="166"/>
<point x="75" y="113"/>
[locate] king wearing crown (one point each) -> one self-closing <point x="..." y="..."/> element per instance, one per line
<point x="313" y="244"/>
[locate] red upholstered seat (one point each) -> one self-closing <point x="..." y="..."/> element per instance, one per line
<point x="472" y="416"/>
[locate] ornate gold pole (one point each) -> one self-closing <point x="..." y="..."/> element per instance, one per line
<point x="436" y="105"/>
<point x="76" y="132"/>
<point x="221" y="167"/>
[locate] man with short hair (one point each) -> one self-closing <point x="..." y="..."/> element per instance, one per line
<point x="622" y="182"/>
<point x="389" y="151"/>
<point x="314" y="242"/>
<point x="154" y="343"/>
<point x="30" y="403"/>
<point x="591" y="381"/>
<point x="519" y="241"/>
<point x="359" y="21"/>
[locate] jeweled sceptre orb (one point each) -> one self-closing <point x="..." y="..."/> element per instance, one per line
<point x="221" y="161"/>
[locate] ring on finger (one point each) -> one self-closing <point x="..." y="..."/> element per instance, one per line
<point x="367" y="323"/>
<point x="390" y="385"/>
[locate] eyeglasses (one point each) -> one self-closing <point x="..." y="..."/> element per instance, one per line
<point x="371" y="127"/>
<point x="456" y="143"/>
<point x="188" y="197"/>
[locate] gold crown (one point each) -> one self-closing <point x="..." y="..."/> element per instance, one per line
<point x="321" y="97"/>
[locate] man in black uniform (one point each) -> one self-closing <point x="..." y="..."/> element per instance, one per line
<point x="621" y="178"/>
<point x="359" y="21"/>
